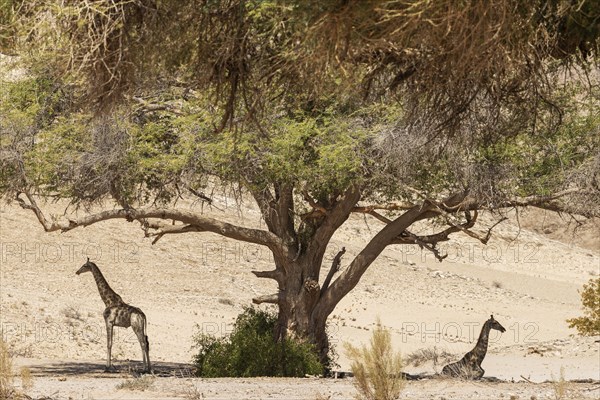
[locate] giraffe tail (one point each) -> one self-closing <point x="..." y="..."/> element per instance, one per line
<point x="145" y="335"/>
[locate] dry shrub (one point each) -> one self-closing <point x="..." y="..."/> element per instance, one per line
<point x="377" y="369"/>
<point x="7" y="389"/>
<point x="26" y="378"/>
<point x="559" y="386"/>
<point x="6" y="372"/>
<point x="141" y="384"/>
<point x="436" y="356"/>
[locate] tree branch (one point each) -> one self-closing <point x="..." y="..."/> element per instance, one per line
<point x="284" y="208"/>
<point x="546" y="202"/>
<point x="335" y="267"/>
<point x="350" y="277"/>
<point x="274" y="274"/>
<point x="194" y="222"/>
<point x="410" y="238"/>
<point x="335" y="217"/>
<point x="267" y="298"/>
<point x="200" y="195"/>
<point x="146" y="107"/>
<point x="318" y="209"/>
<point x="166" y="230"/>
<point x="388" y="207"/>
<point x="461" y="201"/>
<point x="263" y="198"/>
<point x="430" y="242"/>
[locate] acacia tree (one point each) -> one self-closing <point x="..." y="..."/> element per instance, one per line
<point x="415" y="112"/>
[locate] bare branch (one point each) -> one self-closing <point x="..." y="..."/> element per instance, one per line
<point x="388" y="207"/>
<point x="380" y="217"/>
<point x="545" y="202"/>
<point x="267" y="298"/>
<point x="425" y="245"/>
<point x="489" y="232"/>
<point x="429" y="242"/>
<point x="200" y="195"/>
<point x="335" y="267"/>
<point x="146" y="107"/>
<point x="284" y="207"/>
<point x="336" y="216"/>
<point x="48" y="226"/>
<point x="318" y="209"/>
<point x="274" y="274"/>
<point x="167" y="230"/>
<point x="194" y="223"/>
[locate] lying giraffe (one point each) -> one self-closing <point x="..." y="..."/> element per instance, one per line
<point x="118" y="313"/>
<point x="469" y="367"/>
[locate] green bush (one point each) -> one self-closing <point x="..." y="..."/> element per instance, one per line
<point x="589" y="325"/>
<point x="250" y="350"/>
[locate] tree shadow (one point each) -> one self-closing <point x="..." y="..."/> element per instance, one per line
<point x="97" y="369"/>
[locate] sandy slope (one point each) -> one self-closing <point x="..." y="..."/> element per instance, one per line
<point x="202" y="281"/>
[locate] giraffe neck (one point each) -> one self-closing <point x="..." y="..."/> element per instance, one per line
<point x="480" y="349"/>
<point x="109" y="297"/>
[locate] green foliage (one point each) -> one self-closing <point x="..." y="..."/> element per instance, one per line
<point x="315" y="129"/>
<point x="323" y="154"/>
<point x="250" y="350"/>
<point x="26" y="105"/>
<point x="540" y="161"/>
<point x="28" y="102"/>
<point x="589" y="325"/>
<point x="377" y="369"/>
<point x="7" y="31"/>
<point x="57" y="152"/>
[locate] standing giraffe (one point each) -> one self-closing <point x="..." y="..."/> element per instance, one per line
<point x="469" y="367"/>
<point x="118" y="313"/>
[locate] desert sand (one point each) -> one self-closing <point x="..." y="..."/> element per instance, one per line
<point x="528" y="277"/>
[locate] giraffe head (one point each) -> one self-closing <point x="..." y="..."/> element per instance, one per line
<point x="495" y="324"/>
<point x="87" y="267"/>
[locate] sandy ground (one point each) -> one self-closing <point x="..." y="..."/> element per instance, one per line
<point x="528" y="277"/>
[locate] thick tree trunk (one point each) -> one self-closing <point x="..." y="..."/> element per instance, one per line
<point x="297" y="318"/>
<point x="297" y="299"/>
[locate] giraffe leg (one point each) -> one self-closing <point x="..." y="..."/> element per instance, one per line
<point x="138" y="323"/>
<point x="453" y="369"/>
<point x="109" y="339"/>
<point x="479" y="373"/>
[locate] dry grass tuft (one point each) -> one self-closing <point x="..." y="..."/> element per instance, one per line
<point x="6" y="373"/>
<point x="559" y="386"/>
<point x="143" y="383"/>
<point x="26" y="378"/>
<point x="193" y="393"/>
<point x="421" y="356"/>
<point x="7" y="389"/>
<point x="227" y="302"/>
<point x="377" y="369"/>
<point x="71" y="313"/>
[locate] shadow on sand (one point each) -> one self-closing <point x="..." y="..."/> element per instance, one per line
<point x="97" y="369"/>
